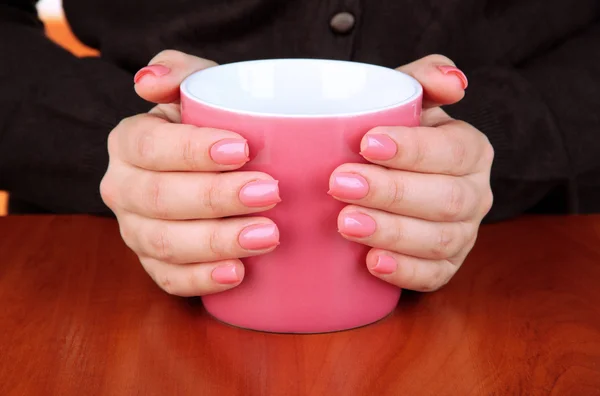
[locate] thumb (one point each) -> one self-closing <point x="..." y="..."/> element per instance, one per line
<point x="159" y="81"/>
<point x="443" y="83"/>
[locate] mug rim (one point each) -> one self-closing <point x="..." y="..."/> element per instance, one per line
<point x="186" y="92"/>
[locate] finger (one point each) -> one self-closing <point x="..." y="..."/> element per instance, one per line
<point x="408" y="272"/>
<point x="187" y="196"/>
<point x="434" y="117"/>
<point x="197" y="279"/>
<point x="406" y="235"/>
<point x="426" y="196"/>
<point x="159" y="81"/>
<point x="453" y="148"/>
<point x="152" y="143"/>
<point x="442" y="82"/>
<point x="181" y="242"/>
<point x="169" y="111"/>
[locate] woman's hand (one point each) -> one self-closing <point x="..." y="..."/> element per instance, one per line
<point x="166" y="187"/>
<point x="421" y="202"/>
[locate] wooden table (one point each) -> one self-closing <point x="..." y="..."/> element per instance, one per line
<point x="78" y="316"/>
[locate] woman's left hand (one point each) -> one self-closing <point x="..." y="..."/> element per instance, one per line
<point x="421" y="201"/>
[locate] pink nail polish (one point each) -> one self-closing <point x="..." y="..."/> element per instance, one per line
<point x="385" y="265"/>
<point x="446" y="69"/>
<point x="230" y="151"/>
<point x="258" y="237"/>
<point x="357" y="225"/>
<point x="348" y="186"/>
<point x="226" y="274"/>
<point x="260" y="193"/>
<point x="378" y="147"/>
<point x="155" y="70"/>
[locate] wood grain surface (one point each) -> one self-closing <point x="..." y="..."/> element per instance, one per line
<point x="78" y="316"/>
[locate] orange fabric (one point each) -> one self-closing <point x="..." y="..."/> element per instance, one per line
<point x="3" y="202"/>
<point x="60" y="32"/>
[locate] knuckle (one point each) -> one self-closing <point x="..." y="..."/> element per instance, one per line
<point x="128" y="236"/>
<point x="124" y="123"/>
<point x="112" y="142"/>
<point x="124" y="129"/>
<point x="397" y="237"/>
<point x="160" y="243"/>
<point x="108" y="191"/>
<point x="470" y="236"/>
<point x="163" y="277"/>
<point x="165" y="282"/>
<point x="212" y="197"/>
<point x="420" y="151"/>
<point x="125" y="232"/>
<point x="439" y="279"/>
<point x="214" y="245"/>
<point x="198" y="282"/>
<point x="487" y="202"/>
<point x="424" y="281"/>
<point x="488" y="153"/>
<point x="453" y="201"/>
<point x="445" y="243"/>
<point x="412" y="278"/>
<point x="154" y="196"/>
<point x="191" y="150"/>
<point x="396" y="192"/>
<point x="429" y="285"/>
<point x="459" y="154"/>
<point x="145" y="147"/>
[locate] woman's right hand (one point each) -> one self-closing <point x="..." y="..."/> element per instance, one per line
<point x="174" y="189"/>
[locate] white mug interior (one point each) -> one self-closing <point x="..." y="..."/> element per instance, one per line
<point x="301" y="87"/>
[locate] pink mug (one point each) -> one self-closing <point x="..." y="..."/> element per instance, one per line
<point x="303" y="118"/>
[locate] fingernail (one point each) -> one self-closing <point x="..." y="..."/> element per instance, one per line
<point x="226" y="274"/>
<point x="446" y="69"/>
<point x="348" y="186"/>
<point x="385" y="265"/>
<point x="258" y="237"/>
<point x="260" y="193"/>
<point x="230" y="151"/>
<point x="378" y="147"/>
<point x="155" y="70"/>
<point x="357" y="225"/>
